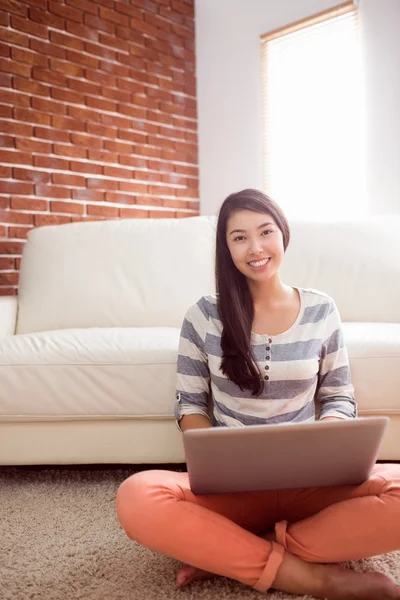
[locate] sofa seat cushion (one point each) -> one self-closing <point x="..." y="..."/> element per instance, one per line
<point x="130" y="372"/>
<point x="374" y="353"/>
<point x="96" y="373"/>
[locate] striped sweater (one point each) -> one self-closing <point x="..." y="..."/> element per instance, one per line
<point x="305" y="369"/>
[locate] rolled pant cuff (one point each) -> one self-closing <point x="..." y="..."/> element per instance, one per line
<point x="280" y="533"/>
<point x="269" y="574"/>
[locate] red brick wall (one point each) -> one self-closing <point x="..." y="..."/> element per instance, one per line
<point x="97" y="115"/>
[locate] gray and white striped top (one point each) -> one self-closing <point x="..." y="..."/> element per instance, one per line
<point x="305" y="369"/>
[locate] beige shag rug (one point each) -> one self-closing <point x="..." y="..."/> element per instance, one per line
<point x="60" y="540"/>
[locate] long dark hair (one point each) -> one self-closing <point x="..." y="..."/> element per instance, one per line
<point x="234" y="301"/>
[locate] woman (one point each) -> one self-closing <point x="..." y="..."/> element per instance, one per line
<point x="266" y="352"/>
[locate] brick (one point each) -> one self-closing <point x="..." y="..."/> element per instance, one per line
<point x="116" y="70"/>
<point x="56" y="37"/>
<point x="132" y="186"/>
<point x="31" y="87"/>
<point x="41" y="220"/>
<point x="98" y="23"/>
<point x="66" y="12"/>
<point x="5" y="50"/>
<point x="7" y="247"/>
<point x="3" y="231"/>
<point x="16" y="128"/>
<point x="84" y="59"/>
<point x="102" y="104"/>
<point x="117" y="172"/>
<point x="6" y="141"/>
<point x="88" y="195"/>
<point x="130" y="11"/>
<point x="147" y="176"/>
<point x="6" y="111"/>
<point x="133" y="161"/>
<point x="68" y="179"/>
<point x="4" y="203"/>
<point x="9" y="278"/>
<point x="32" y="145"/>
<point x="67" y="123"/>
<point x="133" y="213"/>
<point x="83" y="114"/>
<point x="80" y="139"/>
<point x="187" y="193"/>
<point x="116" y="94"/>
<point x="114" y="17"/>
<point x="4" y="18"/>
<point x="47" y="49"/>
<point x="48" y="162"/>
<point x="116" y="146"/>
<point x="169" y="203"/>
<point x="6" y="264"/>
<point x="71" y="151"/>
<point x="86" y="167"/>
<point x="17" y="188"/>
<point x="14" y="7"/>
<point x="100" y="156"/>
<point x="46" y="18"/>
<point x="84" y="87"/>
<point x="115" y="120"/>
<point x="49" y="76"/>
<point x="12" y="98"/>
<point x="5" y="172"/>
<point x="29" y="204"/>
<point x="32" y="58"/>
<point x="162" y="190"/>
<point x="106" y="211"/>
<point x="80" y="31"/>
<point x="12" y="216"/>
<point x="100" y="51"/>
<point x="13" y="157"/>
<point x="162" y="214"/>
<point x="114" y="42"/>
<point x="67" y="68"/>
<point x="182" y="215"/>
<point x="67" y="207"/>
<point x="19" y="232"/>
<point x="28" y="26"/>
<point x="67" y="96"/>
<point x="84" y="5"/>
<point x="119" y="198"/>
<point x="5" y="79"/>
<point x="46" y="105"/>
<point x="101" y="184"/>
<point x="38" y="3"/>
<point x="18" y="68"/>
<point x="32" y="116"/>
<point x="52" y="191"/>
<point x="149" y="201"/>
<point x="147" y="151"/>
<point x="133" y="111"/>
<point x="101" y="130"/>
<point x="52" y="134"/>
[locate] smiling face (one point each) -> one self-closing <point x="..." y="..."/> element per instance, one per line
<point x="255" y="243"/>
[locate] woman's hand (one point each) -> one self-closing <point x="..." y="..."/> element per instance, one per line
<point x="331" y="419"/>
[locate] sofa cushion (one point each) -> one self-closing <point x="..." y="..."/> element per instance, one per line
<point x="130" y="372"/>
<point x="95" y="373"/>
<point x="122" y="273"/>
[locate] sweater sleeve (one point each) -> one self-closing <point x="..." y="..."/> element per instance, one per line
<point x="193" y="375"/>
<point x="335" y="391"/>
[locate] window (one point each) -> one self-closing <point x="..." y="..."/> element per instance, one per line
<point x="314" y="116"/>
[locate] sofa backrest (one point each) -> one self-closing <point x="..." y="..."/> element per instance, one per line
<point x="355" y="262"/>
<point x="147" y="272"/>
<point x="122" y="273"/>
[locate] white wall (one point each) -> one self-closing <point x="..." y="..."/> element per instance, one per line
<point x="229" y="100"/>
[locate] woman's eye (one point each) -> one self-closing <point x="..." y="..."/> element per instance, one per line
<point x="268" y="231"/>
<point x="239" y="237"/>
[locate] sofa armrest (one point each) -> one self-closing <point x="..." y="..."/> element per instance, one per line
<point x="8" y="315"/>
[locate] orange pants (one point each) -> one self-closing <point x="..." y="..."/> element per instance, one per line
<point x="218" y="532"/>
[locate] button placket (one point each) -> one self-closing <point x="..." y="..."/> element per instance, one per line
<point x="268" y="357"/>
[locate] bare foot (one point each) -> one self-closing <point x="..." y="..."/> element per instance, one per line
<point x="344" y="584"/>
<point x="188" y="574"/>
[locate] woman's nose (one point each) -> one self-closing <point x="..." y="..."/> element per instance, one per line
<point x="255" y="246"/>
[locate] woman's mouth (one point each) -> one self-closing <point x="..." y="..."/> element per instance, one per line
<point x="258" y="265"/>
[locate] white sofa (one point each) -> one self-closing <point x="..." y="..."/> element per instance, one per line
<point x="88" y="348"/>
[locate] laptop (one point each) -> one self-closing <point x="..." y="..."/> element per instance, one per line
<point x="283" y="456"/>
